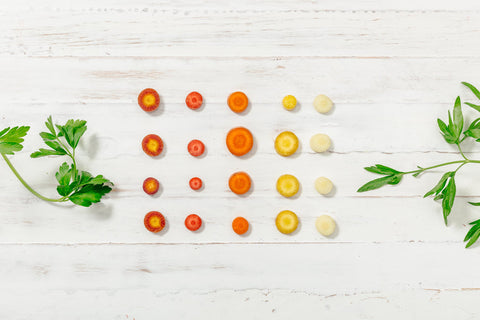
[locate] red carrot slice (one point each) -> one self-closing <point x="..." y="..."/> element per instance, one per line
<point x="193" y="222"/>
<point x="196" y="148"/>
<point x="148" y="99"/>
<point x="152" y="145"/>
<point x="151" y="185"/>
<point x="196" y="183"/>
<point x="154" y="221"/>
<point x="194" y="100"/>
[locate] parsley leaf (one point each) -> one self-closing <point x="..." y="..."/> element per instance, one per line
<point x="11" y="139"/>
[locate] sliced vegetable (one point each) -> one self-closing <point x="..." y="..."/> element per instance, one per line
<point x="193" y="222"/>
<point x="148" y="100"/>
<point x="286" y="221"/>
<point x="154" y="221"/>
<point x="289" y="102"/>
<point x="240" y="225"/>
<point x="287" y="185"/>
<point x="322" y="103"/>
<point x="239" y="141"/>
<point x="323" y="185"/>
<point x="320" y="142"/>
<point x="196" y="148"/>
<point x="195" y="183"/>
<point x="151" y="185"/>
<point x="152" y="145"/>
<point x="238" y="102"/>
<point x="240" y="182"/>
<point x="325" y="225"/>
<point x="194" y="100"/>
<point x="286" y="143"/>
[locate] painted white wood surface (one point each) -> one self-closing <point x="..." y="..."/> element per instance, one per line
<point x="391" y="68"/>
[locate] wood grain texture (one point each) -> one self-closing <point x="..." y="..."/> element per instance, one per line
<point x="391" y="68"/>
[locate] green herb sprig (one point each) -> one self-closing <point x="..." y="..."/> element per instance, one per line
<point x="445" y="189"/>
<point x="79" y="187"/>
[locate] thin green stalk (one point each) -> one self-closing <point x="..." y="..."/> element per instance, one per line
<point x="26" y="185"/>
<point x="461" y="152"/>
<point x="442" y="165"/>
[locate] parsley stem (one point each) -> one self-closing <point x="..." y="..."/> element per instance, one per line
<point x="26" y="185"/>
<point x="461" y="152"/>
<point x="462" y="162"/>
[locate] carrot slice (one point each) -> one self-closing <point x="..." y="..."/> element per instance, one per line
<point x="148" y="99"/>
<point x="151" y="185"/>
<point x="193" y="222"/>
<point x="152" y="145"/>
<point x="239" y="141"/>
<point x="195" y="183"/>
<point x="196" y="148"/>
<point x="154" y="221"/>
<point x="240" y="182"/>
<point x="240" y="225"/>
<point x="238" y="101"/>
<point x="194" y="100"/>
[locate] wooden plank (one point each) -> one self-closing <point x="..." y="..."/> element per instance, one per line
<point x="247" y="5"/>
<point x="265" y="80"/>
<point x="113" y="31"/>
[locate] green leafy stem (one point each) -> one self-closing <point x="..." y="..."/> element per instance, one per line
<point x="79" y="187"/>
<point x="445" y="189"/>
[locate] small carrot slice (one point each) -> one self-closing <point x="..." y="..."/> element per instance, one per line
<point x="148" y="99"/>
<point x="196" y="148"/>
<point x="195" y="183"/>
<point x="193" y="222"/>
<point x="237" y="101"/>
<point x="151" y="185"/>
<point x="194" y="100"/>
<point x="152" y="145"/>
<point x="240" y="182"/>
<point x="154" y="221"/>
<point x="240" y="225"/>
<point x="239" y="141"/>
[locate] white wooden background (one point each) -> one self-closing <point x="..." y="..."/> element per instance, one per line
<point x="391" y="68"/>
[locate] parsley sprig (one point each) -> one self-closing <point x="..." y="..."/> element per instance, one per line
<point x="445" y="189"/>
<point x="79" y="187"/>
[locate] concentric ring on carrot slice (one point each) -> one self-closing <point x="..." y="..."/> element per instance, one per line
<point x="239" y="141"/>
<point x="240" y="225"/>
<point x="194" y="100"/>
<point x="240" y="182"/>
<point x="148" y="100"/>
<point x="237" y="101"/>
<point x="154" y="221"/>
<point x="151" y="185"/>
<point x="152" y="145"/>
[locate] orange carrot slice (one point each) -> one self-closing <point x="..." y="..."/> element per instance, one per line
<point x="237" y="102"/>
<point x="240" y="182"/>
<point x="240" y="225"/>
<point x="148" y="99"/>
<point x="239" y="141"/>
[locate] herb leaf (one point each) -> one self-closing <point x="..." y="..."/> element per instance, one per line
<point x="11" y="139"/>
<point x="472" y="88"/>
<point x="380" y="182"/>
<point x="88" y="194"/>
<point x="381" y="169"/>
<point x="473" y="234"/>
<point x="440" y="185"/>
<point x="448" y="198"/>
